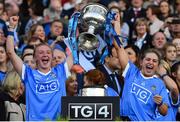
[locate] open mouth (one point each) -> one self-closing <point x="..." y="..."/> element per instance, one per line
<point x="45" y="60"/>
<point x="75" y="88"/>
<point x="149" y="67"/>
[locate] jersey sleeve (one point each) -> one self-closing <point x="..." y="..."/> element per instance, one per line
<point x="61" y="67"/>
<point x="171" y="101"/>
<point x="61" y="71"/>
<point x="129" y="70"/>
<point x="25" y="71"/>
<point x="164" y="95"/>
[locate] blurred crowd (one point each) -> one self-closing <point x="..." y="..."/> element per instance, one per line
<point x="37" y="67"/>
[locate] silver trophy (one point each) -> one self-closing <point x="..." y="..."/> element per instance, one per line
<point x="93" y="17"/>
<point x="93" y="91"/>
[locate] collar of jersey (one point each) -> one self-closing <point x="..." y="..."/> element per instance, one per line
<point x="154" y="76"/>
<point x="44" y="73"/>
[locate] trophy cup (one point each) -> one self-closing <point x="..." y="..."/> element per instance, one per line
<point x="93" y="17"/>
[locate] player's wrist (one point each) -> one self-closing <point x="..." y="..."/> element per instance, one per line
<point x="163" y="75"/>
<point x="10" y="33"/>
<point x="160" y="104"/>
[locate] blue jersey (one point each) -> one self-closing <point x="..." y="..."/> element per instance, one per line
<point x="43" y="92"/>
<point x="137" y="98"/>
<point x="2" y="76"/>
<point x="111" y="92"/>
<point x="172" y="111"/>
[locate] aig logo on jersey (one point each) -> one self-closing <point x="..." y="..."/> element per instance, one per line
<point x="141" y="93"/>
<point x="47" y="87"/>
<point x="90" y="111"/>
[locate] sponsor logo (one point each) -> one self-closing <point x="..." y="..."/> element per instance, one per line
<point x="141" y="93"/>
<point x="47" y="87"/>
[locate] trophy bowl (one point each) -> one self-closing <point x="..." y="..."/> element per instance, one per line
<point x="93" y="17"/>
<point x="94" y="14"/>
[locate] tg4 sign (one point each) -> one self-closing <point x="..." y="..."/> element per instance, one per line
<point x="90" y="111"/>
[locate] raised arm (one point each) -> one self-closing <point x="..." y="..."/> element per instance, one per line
<point x="169" y="82"/>
<point x="122" y="55"/>
<point x="15" y="59"/>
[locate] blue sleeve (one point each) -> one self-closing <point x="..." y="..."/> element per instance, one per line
<point x="171" y="101"/>
<point x="130" y="70"/>
<point x="50" y="41"/>
<point x="111" y="92"/>
<point x="174" y="105"/>
<point x="60" y="67"/>
<point x="164" y="94"/>
<point x="26" y="70"/>
<point x="61" y="72"/>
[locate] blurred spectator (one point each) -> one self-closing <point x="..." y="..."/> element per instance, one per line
<point x="28" y="49"/>
<point x="72" y="86"/>
<point x="18" y="2"/>
<point x="80" y="4"/>
<point x="95" y="78"/>
<point x="56" y="29"/>
<point x="175" y="28"/>
<point x="69" y="8"/>
<point x="59" y="56"/>
<point x="34" y="41"/>
<point x="3" y="30"/>
<point x="146" y="3"/>
<point x="169" y="57"/>
<point x="53" y="12"/>
<point x="24" y="17"/>
<point x="37" y="30"/>
<point x="111" y="68"/>
<point x="28" y="59"/>
<point x="56" y="34"/>
<point x="11" y="8"/>
<point x="176" y="42"/>
<point x="113" y="4"/>
<point x="177" y="12"/>
<point x="170" y="53"/>
<point x="4" y="64"/>
<point x="2" y="37"/>
<point x="123" y="4"/>
<point x="11" y="107"/>
<point x="165" y="10"/>
<point x="134" y="12"/>
<point x="4" y="16"/>
<point x="158" y="41"/>
<point x="175" y="69"/>
<point x="154" y="23"/>
<point x="36" y="13"/>
<point x="142" y="37"/>
<point x="2" y="7"/>
<point x="133" y="53"/>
